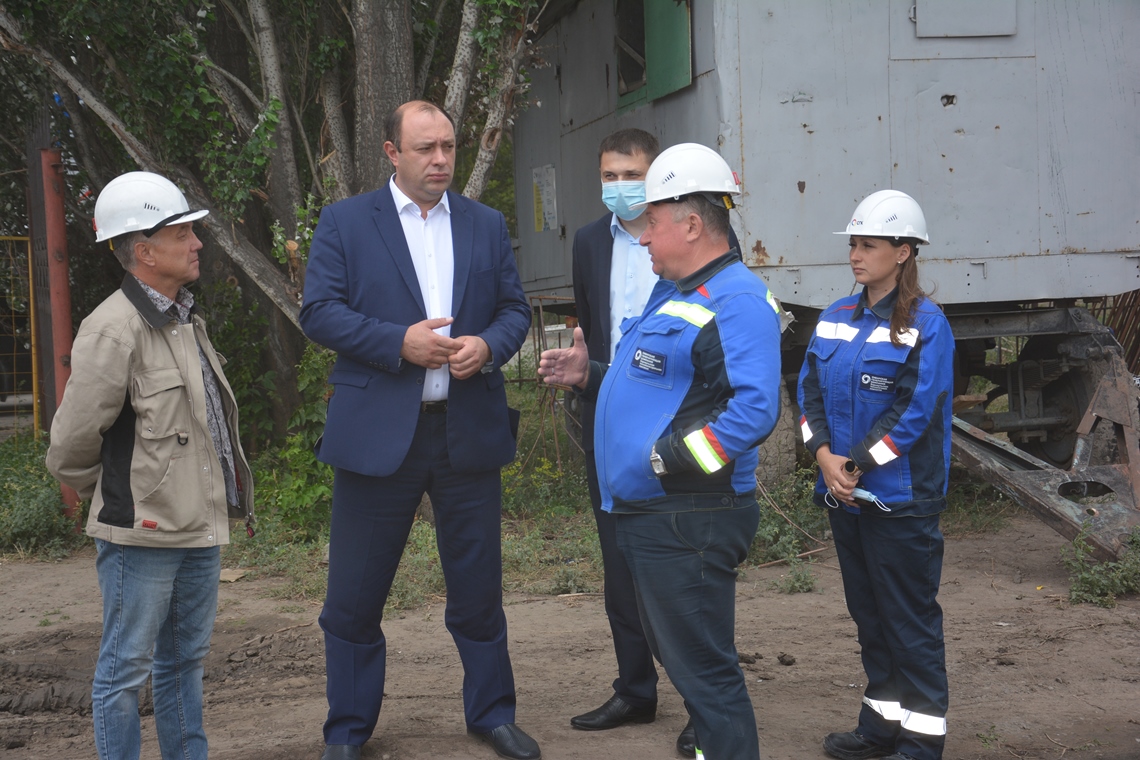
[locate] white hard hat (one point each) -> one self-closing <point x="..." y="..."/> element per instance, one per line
<point x="888" y="213"/>
<point x="140" y="201"/>
<point x="689" y="168"/>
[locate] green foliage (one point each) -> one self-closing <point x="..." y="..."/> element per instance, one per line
<point x="548" y="477"/>
<point x="292" y="485"/>
<point x="296" y="250"/>
<point x="500" y="191"/>
<point x="974" y="506"/>
<point x="232" y="171"/>
<point x="776" y="538"/>
<point x="276" y="550"/>
<point x="1100" y="583"/>
<point x="236" y="329"/>
<point x="989" y="738"/>
<point x="798" y="580"/>
<point x="31" y="511"/>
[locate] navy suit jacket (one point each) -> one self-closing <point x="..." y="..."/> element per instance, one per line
<point x="593" y="258"/>
<point x="361" y="295"/>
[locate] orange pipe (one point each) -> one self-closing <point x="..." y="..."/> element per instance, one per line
<point x="59" y="286"/>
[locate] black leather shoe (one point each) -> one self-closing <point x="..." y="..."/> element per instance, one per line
<point x="850" y="745"/>
<point x="687" y="740"/>
<point x="615" y="712"/>
<point x="341" y="752"/>
<point x="511" y="741"/>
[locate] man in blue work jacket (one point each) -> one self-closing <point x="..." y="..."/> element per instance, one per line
<point x="690" y="395"/>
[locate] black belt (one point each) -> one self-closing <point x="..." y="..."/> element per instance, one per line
<point x="433" y="407"/>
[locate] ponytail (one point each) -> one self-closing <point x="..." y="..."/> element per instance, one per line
<point x="909" y="291"/>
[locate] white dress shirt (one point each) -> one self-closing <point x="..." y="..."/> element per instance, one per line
<point x="429" y="241"/>
<point x="631" y="280"/>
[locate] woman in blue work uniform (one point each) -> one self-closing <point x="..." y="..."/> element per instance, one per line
<point x="875" y="391"/>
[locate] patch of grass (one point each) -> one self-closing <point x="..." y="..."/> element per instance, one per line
<point x="990" y="738"/>
<point x="798" y="580"/>
<point x="776" y="537"/>
<point x="1100" y="583"/>
<point x="552" y="555"/>
<point x="32" y="522"/>
<point x="276" y="551"/>
<point x="974" y="506"/>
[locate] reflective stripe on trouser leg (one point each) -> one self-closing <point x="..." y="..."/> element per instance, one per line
<point x="931" y="725"/>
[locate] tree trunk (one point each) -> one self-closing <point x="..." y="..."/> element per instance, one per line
<point x="466" y="53"/>
<point x="429" y="52"/>
<point x="338" y="164"/>
<point x="385" y="68"/>
<point x="285" y="194"/>
<point x="501" y="108"/>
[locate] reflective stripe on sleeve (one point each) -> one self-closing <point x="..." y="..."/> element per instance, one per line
<point x="775" y="304"/>
<point x="836" y="331"/>
<point x="884" y="451"/>
<point x="882" y="334"/>
<point x="805" y="429"/>
<point x="706" y="449"/>
<point x="693" y="313"/>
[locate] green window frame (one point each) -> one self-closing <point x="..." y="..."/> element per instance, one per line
<point x="668" y="45"/>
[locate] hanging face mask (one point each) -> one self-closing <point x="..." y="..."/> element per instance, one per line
<point x="619" y="196"/>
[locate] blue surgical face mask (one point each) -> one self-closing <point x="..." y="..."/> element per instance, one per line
<point x="619" y="196"/>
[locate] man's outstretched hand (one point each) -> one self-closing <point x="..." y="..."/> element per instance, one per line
<point x="568" y="367"/>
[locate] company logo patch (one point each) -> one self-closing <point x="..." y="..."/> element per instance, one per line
<point x="150" y="524"/>
<point x="877" y="383"/>
<point x="648" y="361"/>
<point x="856" y="223"/>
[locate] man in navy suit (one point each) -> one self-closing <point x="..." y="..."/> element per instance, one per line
<point x="416" y="289"/>
<point x="613" y="276"/>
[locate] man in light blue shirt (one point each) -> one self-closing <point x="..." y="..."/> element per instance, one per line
<point x="613" y="276"/>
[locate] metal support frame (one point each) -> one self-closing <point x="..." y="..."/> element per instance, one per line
<point x="1102" y="501"/>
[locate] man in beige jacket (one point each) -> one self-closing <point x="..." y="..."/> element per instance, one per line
<point x="148" y="431"/>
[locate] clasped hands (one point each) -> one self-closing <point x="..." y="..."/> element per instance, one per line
<point x="465" y="355"/>
<point x="836" y="477"/>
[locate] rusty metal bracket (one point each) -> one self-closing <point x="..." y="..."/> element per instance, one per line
<point x="1102" y="499"/>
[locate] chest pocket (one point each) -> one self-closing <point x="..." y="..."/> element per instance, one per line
<point x="878" y="369"/>
<point x="653" y="360"/>
<point x="823" y="350"/>
<point x="160" y="403"/>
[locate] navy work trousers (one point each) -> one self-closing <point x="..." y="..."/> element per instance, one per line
<point x="371" y="519"/>
<point x="637" y="676"/>
<point x="684" y="569"/>
<point x="892" y="567"/>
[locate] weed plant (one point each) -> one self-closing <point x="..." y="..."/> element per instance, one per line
<point x="974" y="506"/>
<point x="32" y="522"/>
<point x="1100" y="583"/>
<point x="776" y="537"/>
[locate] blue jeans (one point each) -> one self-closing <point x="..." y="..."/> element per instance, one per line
<point x="159" y="606"/>
<point x="684" y="570"/>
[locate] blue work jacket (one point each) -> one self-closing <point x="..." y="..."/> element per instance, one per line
<point x="887" y="407"/>
<point x="697" y="376"/>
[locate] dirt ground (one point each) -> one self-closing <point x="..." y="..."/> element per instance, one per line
<point x="1030" y="676"/>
